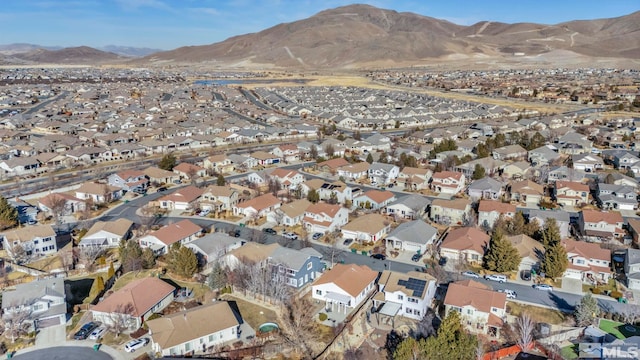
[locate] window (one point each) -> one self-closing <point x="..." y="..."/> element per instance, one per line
<point x="210" y="338"/>
<point x="319" y="292"/>
<point x="469" y="311"/>
<point x="400" y="297"/>
<point x="408" y="311"/>
<point x="36" y="242"/>
<point x="412" y="300"/>
<point x="187" y="346"/>
<point x="309" y="265"/>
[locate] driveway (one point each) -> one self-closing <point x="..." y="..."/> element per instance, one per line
<point x="572" y="285"/>
<point x="51" y="336"/>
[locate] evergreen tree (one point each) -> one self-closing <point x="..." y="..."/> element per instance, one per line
<point x="478" y="172"/>
<point x="111" y="272"/>
<point x="218" y="277"/>
<point x="369" y="158"/>
<point x="532" y="229"/>
<point x="516" y="225"/>
<point x="554" y="262"/>
<point x="220" y="181"/>
<point x="130" y="255"/>
<point x="96" y="287"/>
<point x="167" y="162"/>
<point x="451" y="341"/>
<point x="501" y="255"/>
<point x="148" y="258"/>
<point x="8" y="214"/>
<point x="182" y="261"/>
<point x="482" y="151"/>
<point x="313" y="196"/>
<point x="383" y="158"/>
<point x="411" y="349"/>
<point x="550" y="232"/>
<point x="587" y="311"/>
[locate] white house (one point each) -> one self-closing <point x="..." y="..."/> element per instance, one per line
<point x="34" y="241"/>
<point x="324" y="218"/>
<point x="409" y="295"/>
<point x="414" y="236"/>
<point x="367" y="228"/>
<point x="45" y="300"/>
<point x="382" y="174"/>
<point x="447" y="182"/>
<point x="258" y="206"/>
<point x="107" y="233"/>
<point x="344" y="287"/>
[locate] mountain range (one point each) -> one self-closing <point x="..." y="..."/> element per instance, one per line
<point x="363" y="36"/>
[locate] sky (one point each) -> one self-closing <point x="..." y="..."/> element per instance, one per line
<point x="169" y="24"/>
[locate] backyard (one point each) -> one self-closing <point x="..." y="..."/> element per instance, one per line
<point x="254" y="314"/>
<point x="618" y="329"/>
<point x="538" y="314"/>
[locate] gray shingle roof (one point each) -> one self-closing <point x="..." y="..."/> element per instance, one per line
<point x="416" y="231"/>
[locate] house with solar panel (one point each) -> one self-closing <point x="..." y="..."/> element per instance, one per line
<point x="409" y="295"/>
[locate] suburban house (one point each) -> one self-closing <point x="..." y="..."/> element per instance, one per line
<point x="219" y="198"/>
<point x="185" y="198"/>
<point x="526" y="191"/>
<point x="160" y="176"/>
<point x="264" y="158"/>
<point x="107" y="233"/>
<point x="61" y="204"/>
<point x="373" y="199"/>
<point x="260" y="178"/>
<point x="409" y="207"/>
<point x="456" y="211"/>
<point x="18" y="166"/>
<point x="517" y="170"/>
<point x="414" y="236"/>
<point x="189" y="171"/>
<point x="325" y="218"/>
<point x="331" y="166"/>
<point x="25" y="243"/>
<point x="601" y="225"/>
<point x="135" y="302"/>
<point x="562" y="217"/>
<point x="290" y="214"/>
<point x="241" y="162"/>
<point x="489" y="212"/>
<point x="485" y="188"/>
<point x="571" y="193"/>
<point x="26" y="212"/>
<point x="587" y="262"/>
<point x="409" y="295"/>
<point x="219" y="164"/>
<point x="382" y="174"/>
<point x="44" y="299"/>
<point x="288" y="179"/>
<point x="257" y="207"/>
<point x="632" y="268"/>
<point x="587" y="162"/>
<point x="530" y="251"/>
<point x="344" y="287"/>
<point x="366" y="228"/>
<point x="414" y="178"/>
<point x="543" y="155"/>
<point x="287" y="152"/>
<point x="353" y="172"/>
<point x="129" y="180"/>
<point x="509" y="152"/>
<point x="617" y="197"/>
<point x="447" y="182"/>
<point x="160" y="241"/>
<point x="563" y="173"/>
<point x="211" y="247"/>
<point x="481" y="309"/>
<point x="98" y="193"/>
<point x="195" y="329"/>
<point x="337" y="190"/>
<point x="465" y="244"/>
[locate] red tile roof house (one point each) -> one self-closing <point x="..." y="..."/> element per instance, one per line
<point x="481" y="309"/>
<point x="259" y="206"/>
<point x="587" y="261"/>
<point x="288" y="179"/>
<point x="571" y="193"/>
<point x="489" y="211"/>
<point x="465" y="245"/>
<point x="136" y="301"/>
<point x="344" y="287"/>
<point x="367" y="228"/>
<point x="160" y="240"/>
<point x="447" y="182"/>
<point x="323" y="217"/>
<point x="182" y="199"/>
<point x="600" y="225"/>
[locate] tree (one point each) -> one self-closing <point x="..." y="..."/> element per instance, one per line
<point x="130" y="255"/>
<point x="220" y="181"/>
<point x="478" y="172"/>
<point x="451" y="341"/>
<point x="329" y="150"/>
<point x="87" y="255"/>
<point x="148" y="258"/>
<point x="525" y="327"/>
<point x="369" y="158"/>
<point x="16" y="321"/>
<point x="516" y="226"/>
<point x="182" y="261"/>
<point x="111" y="272"/>
<point x="57" y="206"/>
<point x="120" y="318"/>
<point x="97" y="287"/>
<point x="313" y="152"/>
<point x="550" y="232"/>
<point x="383" y="158"/>
<point x="501" y="255"/>
<point x="167" y="162"/>
<point x="299" y="324"/>
<point x="609" y="179"/>
<point x="217" y="278"/>
<point x="313" y="196"/>
<point x="411" y="349"/>
<point x="554" y="261"/>
<point x="8" y="214"/>
<point x="587" y="311"/>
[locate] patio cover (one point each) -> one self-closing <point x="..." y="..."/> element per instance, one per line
<point x="344" y="299"/>
<point x="390" y="308"/>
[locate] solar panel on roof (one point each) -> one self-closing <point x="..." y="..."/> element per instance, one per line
<point x="417" y="285"/>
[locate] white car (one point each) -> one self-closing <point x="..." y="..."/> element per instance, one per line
<point x="471" y="274"/>
<point x="97" y="333"/>
<point x="543" y="287"/>
<point x="510" y="293"/>
<point x="136" y="344"/>
<point x="290" y="235"/>
<point x="496" y="277"/>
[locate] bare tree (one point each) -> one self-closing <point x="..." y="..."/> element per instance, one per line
<point x="278" y="216"/>
<point x="425" y="326"/>
<point x="57" y="206"/>
<point x="120" y="318"/>
<point x="148" y="218"/>
<point x="525" y="327"/>
<point x="480" y="350"/>
<point x="16" y="321"/>
<point x="299" y="324"/>
<point x="87" y="255"/>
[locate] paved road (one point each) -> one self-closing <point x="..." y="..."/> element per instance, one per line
<point x="64" y="353"/>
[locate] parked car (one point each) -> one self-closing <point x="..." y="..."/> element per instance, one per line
<point x="442" y="261"/>
<point x="347" y="242"/>
<point x="204" y="212"/>
<point x="317" y="236"/>
<point x="32" y="222"/>
<point x="85" y="330"/>
<point x="379" y="256"/>
<point x="237" y="233"/>
<point x="543" y="287"/>
<point x="471" y="274"/>
<point x="525" y="275"/>
<point x="162" y="188"/>
<point x="496" y="277"/>
<point x="416" y="257"/>
<point x="269" y="231"/>
<point x="290" y="236"/>
<point x="97" y="333"/>
<point x="510" y="293"/>
<point x="135" y="344"/>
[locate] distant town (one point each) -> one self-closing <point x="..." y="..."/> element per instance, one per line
<point x="167" y="213"/>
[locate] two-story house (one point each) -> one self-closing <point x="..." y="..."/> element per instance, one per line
<point x="481" y="309"/>
<point x="490" y="211"/>
<point x="617" y="197"/>
<point x="26" y="243"/>
<point x="382" y="174"/>
<point x="219" y="198"/>
<point x="409" y="207"/>
<point x="409" y="295"/>
<point x="287" y="152"/>
<point x="571" y="194"/>
<point x="183" y="232"/>
<point x="325" y="218"/>
<point x="587" y="262"/>
<point x="485" y="188"/>
<point x="43" y="300"/>
<point x="447" y="182"/>
<point x="601" y="225"/>
<point x="465" y="245"/>
<point x="455" y="211"/>
<point x="129" y="180"/>
<point x="218" y="164"/>
<point x="632" y="268"/>
<point x="344" y="287"/>
<point x="412" y="178"/>
<point x="288" y="179"/>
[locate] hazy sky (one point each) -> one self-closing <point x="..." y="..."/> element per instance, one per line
<point x="168" y="24"/>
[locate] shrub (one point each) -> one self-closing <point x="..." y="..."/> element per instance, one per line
<point x="616" y="294"/>
<point x="596" y="291"/>
<point x="322" y="316"/>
